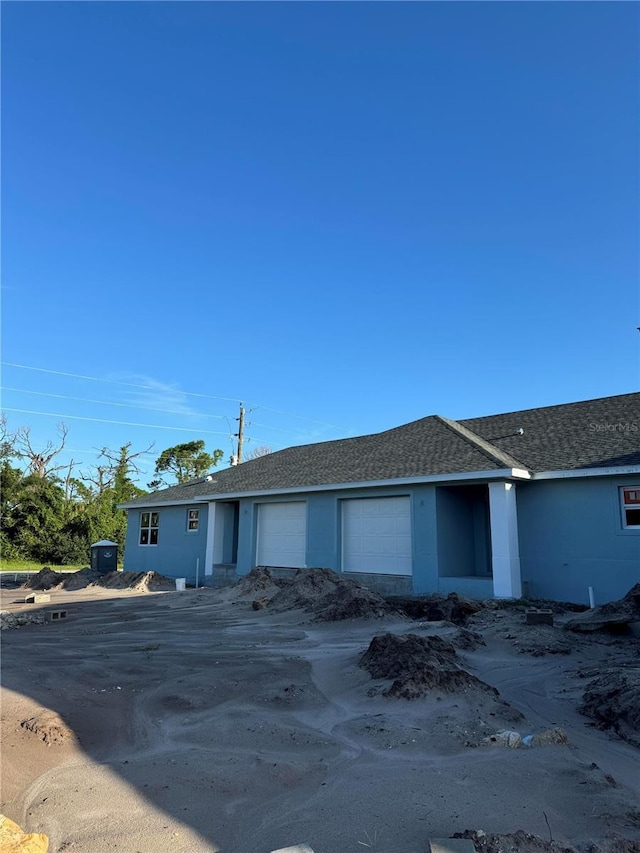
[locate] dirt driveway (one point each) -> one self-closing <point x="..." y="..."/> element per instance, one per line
<point x="187" y="721"/>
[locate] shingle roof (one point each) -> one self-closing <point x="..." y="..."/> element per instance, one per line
<point x="590" y="434"/>
<point x="594" y="433"/>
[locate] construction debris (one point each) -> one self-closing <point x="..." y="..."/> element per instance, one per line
<point x="9" y="620"/>
<point x="14" y="840"/>
<point x="514" y="740"/>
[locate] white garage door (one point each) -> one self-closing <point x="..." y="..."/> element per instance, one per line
<point x="282" y="534"/>
<point x="376" y="536"/>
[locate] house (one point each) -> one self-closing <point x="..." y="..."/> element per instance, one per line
<point x="543" y="502"/>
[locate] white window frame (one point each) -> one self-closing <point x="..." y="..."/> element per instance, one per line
<point x="629" y="499"/>
<point x="151" y="525"/>
<point x="193" y="517"/>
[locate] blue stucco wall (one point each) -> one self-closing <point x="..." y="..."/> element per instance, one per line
<point x="177" y="551"/>
<point x="324" y="534"/>
<point x="571" y="538"/>
<point x="570" y="532"/>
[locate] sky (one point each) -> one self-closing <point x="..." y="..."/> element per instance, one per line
<point x="345" y="216"/>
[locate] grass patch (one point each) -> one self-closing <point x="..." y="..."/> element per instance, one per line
<point x="30" y="566"/>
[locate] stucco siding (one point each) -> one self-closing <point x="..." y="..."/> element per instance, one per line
<point x="425" y="540"/>
<point x="571" y="538"/>
<point x="178" y="549"/>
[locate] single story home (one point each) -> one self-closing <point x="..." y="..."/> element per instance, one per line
<point x="542" y="503"/>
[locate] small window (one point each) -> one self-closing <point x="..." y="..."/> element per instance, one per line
<point x="630" y="506"/>
<point x="193" y="520"/>
<point x="149" y="528"/>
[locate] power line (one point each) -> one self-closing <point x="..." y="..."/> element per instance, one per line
<point x="153" y="388"/>
<point x="119" y="423"/>
<point x="112" y="403"/>
<point x="114" y="381"/>
<point x="124" y="423"/>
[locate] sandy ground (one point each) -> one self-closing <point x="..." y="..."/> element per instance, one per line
<point x="187" y="721"/>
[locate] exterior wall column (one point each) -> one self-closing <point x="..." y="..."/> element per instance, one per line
<point x="505" y="552"/>
<point x="211" y="529"/>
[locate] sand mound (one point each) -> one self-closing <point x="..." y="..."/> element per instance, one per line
<point x="259" y="582"/>
<point x="418" y="665"/>
<point x="437" y="608"/>
<point x="49" y="727"/>
<point x="45" y="579"/>
<point x="613" y="617"/>
<point x="613" y="701"/>
<point x="135" y="581"/>
<point x="322" y="592"/>
<point x="468" y="640"/>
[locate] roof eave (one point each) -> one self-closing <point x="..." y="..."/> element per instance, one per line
<point x="611" y="471"/>
<point x="495" y="474"/>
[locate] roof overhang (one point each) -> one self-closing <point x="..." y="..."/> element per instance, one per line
<point x="500" y="474"/>
<point x="614" y="471"/>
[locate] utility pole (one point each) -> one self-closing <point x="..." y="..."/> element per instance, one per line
<point x="240" y="433"/>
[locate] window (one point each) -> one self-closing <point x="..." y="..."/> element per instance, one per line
<point x="149" y="528"/>
<point x="193" y="520"/>
<point x="630" y="506"/>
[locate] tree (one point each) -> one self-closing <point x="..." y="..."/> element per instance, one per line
<point x="257" y="452"/>
<point x="112" y="485"/>
<point x="185" y="462"/>
<point x="39" y="462"/>
<point x="7" y="440"/>
<point x="51" y="516"/>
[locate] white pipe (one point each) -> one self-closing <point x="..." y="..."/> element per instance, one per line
<point x="197" y="571"/>
<point x="592" y="600"/>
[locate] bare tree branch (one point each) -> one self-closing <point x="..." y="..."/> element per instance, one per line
<point x="39" y="462"/>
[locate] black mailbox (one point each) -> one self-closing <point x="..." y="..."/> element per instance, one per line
<point x="104" y="556"/>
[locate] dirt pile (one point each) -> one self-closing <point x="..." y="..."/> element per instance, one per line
<point x="541" y="640"/>
<point x="613" y="701"/>
<point x="468" y="640"/>
<point x="48" y="727"/>
<point x="260" y="582"/>
<point x="45" y="579"/>
<point x="416" y="665"/>
<point x="436" y="608"/>
<point x="614" y="617"/>
<point x="321" y="592"/>
<point x="523" y="842"/>
<point x="134" y="581"/>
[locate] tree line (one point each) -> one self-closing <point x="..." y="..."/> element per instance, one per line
<point x="52" y="512"/>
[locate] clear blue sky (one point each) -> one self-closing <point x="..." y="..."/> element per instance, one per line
<point x="346" y="215"/>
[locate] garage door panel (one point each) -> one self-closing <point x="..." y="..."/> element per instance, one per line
<point x="376" y="535"/>
<point x="282" y="534"/>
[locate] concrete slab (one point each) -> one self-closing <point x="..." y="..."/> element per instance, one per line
<point x="37" y="598"/>
<point x="297" y="848"/>
<point x="452" y="845"/>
